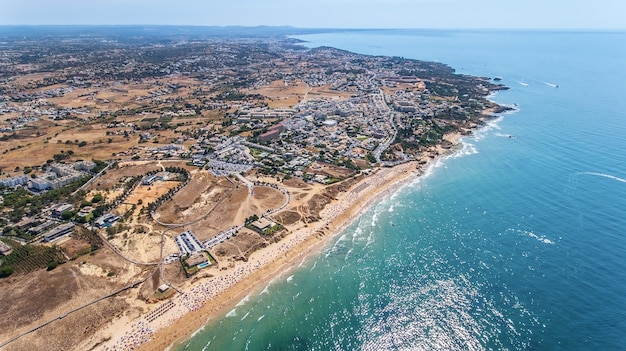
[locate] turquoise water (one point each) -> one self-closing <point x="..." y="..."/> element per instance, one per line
<point x="512" y="243"/>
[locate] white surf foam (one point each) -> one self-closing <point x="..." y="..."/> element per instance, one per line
<point x="232" y="313"/>
<point x="198" y="331"/>
<point x="503" y="135"/>
<point x="374" y="219"/>
<point x="348" y="254"/>
<point x="206" y="347"/>
<point x="542" y="239"/>
<point x="314" y="265"/>
<point x="604" y="175"/>
<point x="243" y="301"/>
<point x="467" y="150"/>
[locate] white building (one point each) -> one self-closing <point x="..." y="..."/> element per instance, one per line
<point x="14" y="181"/>
<point x="40" y="183"/>
<point x="84" y="165"/>
<point x="58" y="232"/>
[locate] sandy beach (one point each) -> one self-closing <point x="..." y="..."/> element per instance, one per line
<point x="174" y="321"/>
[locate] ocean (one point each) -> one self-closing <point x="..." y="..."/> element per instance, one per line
<point x="517" y="241"/>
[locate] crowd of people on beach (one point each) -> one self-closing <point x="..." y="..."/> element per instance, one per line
<point x="139" y="333"/>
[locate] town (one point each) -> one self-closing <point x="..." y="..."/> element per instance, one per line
<point x="188" y="154"/>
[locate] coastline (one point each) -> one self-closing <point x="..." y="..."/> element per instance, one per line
<point x="473" y="251"/>
<point x="139" y="320"/>
<point x="226" y="290"/>
<point x="334" y="220"/>
<point x="223" y="291"/>
<point x="213" y="297"/>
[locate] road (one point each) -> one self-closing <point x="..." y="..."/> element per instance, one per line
<point x="93" y="179"/>
<point x="248" y="183"/>
<point x="383" y="107"/>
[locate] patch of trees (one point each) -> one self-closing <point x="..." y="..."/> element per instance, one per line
<point x="348" y="163"/>
<point x="183" y="175"/>
<point x="100" y="165"/>
<point x="63" y="155"/>
<point x="28" y="258"/>
<point x="97" y="198"/>
<point x="235" y="95"/>
<point x="21" y="201"/>
<point x="6" y="270"/>
<point x="442" y="89"/>
<point x="112" y="230"/>
<point x="251" y="219"/>
<point x="7" y="137"/>
<point x="129" y="186"/>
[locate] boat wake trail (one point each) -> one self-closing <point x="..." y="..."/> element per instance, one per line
<point x="604" y="175"/>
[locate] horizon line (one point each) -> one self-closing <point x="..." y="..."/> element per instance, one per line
<point x="316" y="28"/>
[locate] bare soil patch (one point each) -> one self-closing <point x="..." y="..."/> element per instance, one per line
<point x="43" y="295"/>
<point x="195" y="200"/>
<point x="330" y="170"/>
<point x="240" y="246"/>
<point x="73" y="246"/>
<point x="112" y="178"/>
<point x="281" y="95"/>
<point x="313" y="207"/>
<point x="287" y="217"/>
<point x="268" y="197"/>
<point x="296" y="183"/>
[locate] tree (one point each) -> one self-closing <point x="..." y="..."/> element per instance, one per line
<point x="111" y="231"/>
<point x="5" y="270"/>
<point x="52" y="265"/>
<point x="67" y="215"/>
<point x="97" y="198"/>
<point x="99" y="211"/>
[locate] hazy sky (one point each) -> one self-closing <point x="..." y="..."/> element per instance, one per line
<point x="543" y="14"/>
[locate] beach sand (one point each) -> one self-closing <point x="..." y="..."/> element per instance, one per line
<point x="175" y="321"/>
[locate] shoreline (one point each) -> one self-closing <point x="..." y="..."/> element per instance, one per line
<point x="180" y="323"/>
<point x="222" y="292"/>
<point x="331" y="225"/>
<point x="265" y="265"/>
